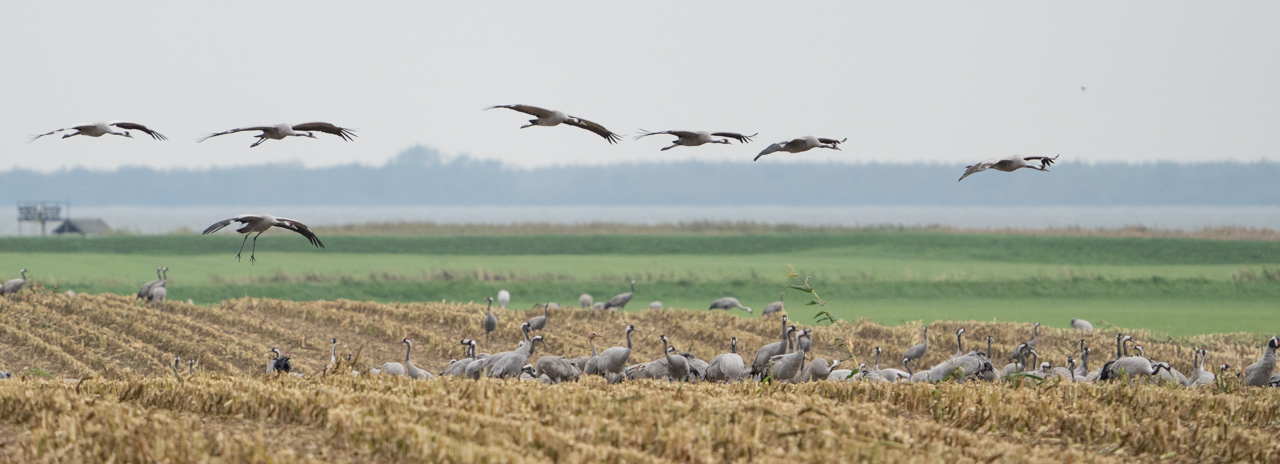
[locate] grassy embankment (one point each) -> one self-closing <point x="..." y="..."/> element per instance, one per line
<point x="1174" y="285"/>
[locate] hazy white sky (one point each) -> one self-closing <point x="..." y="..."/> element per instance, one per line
<point x="946" y="81"/>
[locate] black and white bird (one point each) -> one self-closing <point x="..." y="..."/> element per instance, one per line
<point x="282" y="130"/>
<point x="696" y="138"/>
<point x="99" y="129"/>
<point x="801" y="144"/>
<point x="548" y="118"/>
<point x="1010" y="164"/>
<point x="261" y="223"/>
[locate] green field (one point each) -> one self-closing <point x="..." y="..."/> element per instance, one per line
<point x="1178" y="286"/>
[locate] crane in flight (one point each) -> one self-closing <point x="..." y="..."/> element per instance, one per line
<point x="1010" y="164"/>
<point x="801" y="144"/>
<point x="282" y="130"/>
<point x="696" y="138"/>
<point x="99" y="129"/>
<point x="261" y="223"/>
<point x="548" y="118"/>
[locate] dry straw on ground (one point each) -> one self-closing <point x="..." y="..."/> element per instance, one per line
<point x="132" y="409"/>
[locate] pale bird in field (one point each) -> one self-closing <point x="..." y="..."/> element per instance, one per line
<point x="801" y="144"/>
<point x="547" y="118"/>
<point x="696" y="138"/>
<point x="504" y="297"/>
<point x="1010" y="164"/>
<point x="1081" y="325"/>
<point x="728" y="303"/>
<point x="261" y="223"/>
<point x="622" y="299"/>
<point x="14" y="285"/>
<point x="99" y="129"/>
<point x="282" y="130"/>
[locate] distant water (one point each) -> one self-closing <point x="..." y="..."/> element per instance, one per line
<point x="158" y="220"/>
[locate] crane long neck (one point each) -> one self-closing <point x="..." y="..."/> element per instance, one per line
<point x="989" y="347"/>
<point x="733" y="346"/>
<point x="877" y="363"/>
<point x="333" y="353"/>
<point x="592" y="342"/>
<point x="1119" y="340"/>
<point x="959" y="343"/>
<point x="407" y="348"/>
<point x="628" y="339"/>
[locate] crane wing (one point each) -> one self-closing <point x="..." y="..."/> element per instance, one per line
<point x="526" y="109"/>
<point x="983" y="166"/>
<point x="736" y="136"/>
<point x="34" y="137"/>
<point x="264" y="129"/>
<point x="1045" y="161"/>
<point x="770" y="149"/>
<point x="645" y="133"/>
<point x="299" y="228"/>
<point x="139" y="127"/>
<point x="593" y="127"/>
<point x="833" y="141"/>
<point x="243" y="219"/>
<point x="327" y="128"/>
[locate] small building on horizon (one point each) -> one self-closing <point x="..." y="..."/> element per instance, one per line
<point x="83" y="227"/>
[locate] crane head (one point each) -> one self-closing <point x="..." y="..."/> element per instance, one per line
<point x="127" y="134"/>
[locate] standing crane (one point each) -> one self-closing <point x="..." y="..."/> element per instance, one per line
<point x="261" y="223"/>
<point x="14" y="285"/>
<point x="622" y="299"/>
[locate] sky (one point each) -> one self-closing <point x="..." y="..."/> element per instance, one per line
<point x="948" y="82"/>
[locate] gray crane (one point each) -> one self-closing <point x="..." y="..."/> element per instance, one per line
<point x="775" y="307"/>
<point x="917" y="351"/>
<point x="282" y="130"/>
<point x="767" y="352"/>
<point x="656" y="369"/>
<point x="1010" y="164"/>
<point x="697" y="138"/>
<point x="158" y="294"/>
<point x="786" y="367"/>
<point x="333" y="355"/>
<point x="728" y="303"/>
<point x="490" y="322"/>
<point x="191" y="367"/>
<point x="411" y="370"/>
<point x="888" y="373"/>
<point x="818" y="369"/>
<point x="476" y="368"/>
<point x="547" y="118"/>
<point x="1259" y="373"/>
<point x="557" y="369"/>
<point x="585" y="300"/>
<point x="1201" y="376"/>
<point x="279" y="363"/>
<point x="14" y="285"/>
<point x="527" y="373"/>
<point x="540" y="322"/>
<point x="677" y="366"/>
<point x="1081" y="325"/>
<point x="588" y="363"/>
<point x="459" y="367"/>
<point x="99" y="129"/>
<point x="1017" y="365"/>
<point x="613" y="360"/>
<point x="261" y="223"/>
<point x="1032" y="343"/>
<point x="727" y="367"/>
<point x="800" y="145"/>
<point x="509" y="365"/>
<point x="144" y="293"/>
<point x="622" y="299"/>
<point x="804" y="341"/>
<point x="391" y="368"/>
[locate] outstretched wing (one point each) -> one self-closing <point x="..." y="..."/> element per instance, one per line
<point x="264" y="129"/>
<point x="834" y="142"/>
<point x="139" y="127"/>
<point x="1045" y="161"/>
<point x="593" y="127"/>
<point x="770" y="149"/>
<point x="34" y="137"/>
<point x="983" y="166"/>
<point x="645" y="133"/>
<point x="526" y="109"/>
<point x="299" y="228"/>
<point x="243" y="219"/>
<point x="327" y="128"/>
<point x="736" y="136"/>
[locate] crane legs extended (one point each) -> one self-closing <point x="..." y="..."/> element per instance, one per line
<point x="253" y="250"/>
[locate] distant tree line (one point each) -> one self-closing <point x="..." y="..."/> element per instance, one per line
<point x="420" y="176"/>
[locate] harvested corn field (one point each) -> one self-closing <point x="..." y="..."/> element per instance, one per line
<point x="92" y="383"/>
